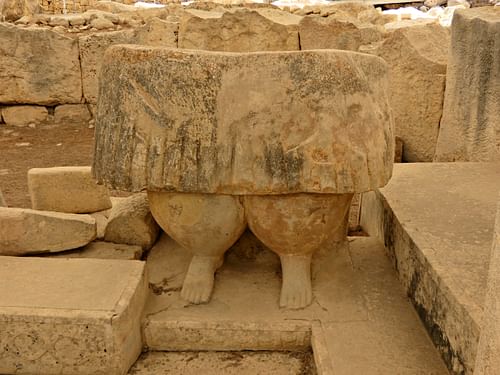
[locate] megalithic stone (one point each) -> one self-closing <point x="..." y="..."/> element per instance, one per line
<point x="250" y="123"/>
<point x="301" y="130"/>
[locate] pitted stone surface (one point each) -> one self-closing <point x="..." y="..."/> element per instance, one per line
<point x="70" y="316"/>
<point x="256" y="123"/>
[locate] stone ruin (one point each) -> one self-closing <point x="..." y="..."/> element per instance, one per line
<point x="279" y="140"/>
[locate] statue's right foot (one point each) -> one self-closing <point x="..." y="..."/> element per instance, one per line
<point x="296" y="289"/>
<point x="199" y="280"/>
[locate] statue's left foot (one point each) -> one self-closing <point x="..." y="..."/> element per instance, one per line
<point x="199" y="281"/>
<point x="296" y="290"/>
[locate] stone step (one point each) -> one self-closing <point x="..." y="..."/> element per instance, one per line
<point x="436" y="221"/>
<point x="224" y="363"/>
<point x="360" y="315"/>
<point x="70" y="316"/>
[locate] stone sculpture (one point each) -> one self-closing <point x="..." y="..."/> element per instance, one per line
<point x="279" y="139"/>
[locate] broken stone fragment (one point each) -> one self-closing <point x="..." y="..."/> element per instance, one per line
<point x="52" y="75"/>
<point x="25" y="231"/>
<point x="131" y="222"/>
<point x="470" y="127"/>
<point x="417" y="56"/>
<point x="229" y="123"/>
<point x="23" y="115"/>
<point x="66" y="189"/>
<point x="239" y="30"/>
<point x="101" y="219"/>
<point x="102" y="250"/>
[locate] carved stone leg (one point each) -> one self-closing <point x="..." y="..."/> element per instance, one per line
<point x="205" y="224"/>
<point x="294" y="226"/>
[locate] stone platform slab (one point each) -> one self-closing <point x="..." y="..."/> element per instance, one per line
<point x="359" y="311"/>
<point x="437" y="224"/>
<point x="70" y="316"/>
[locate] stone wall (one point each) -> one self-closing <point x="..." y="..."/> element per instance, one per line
<point x="58" y="61"/>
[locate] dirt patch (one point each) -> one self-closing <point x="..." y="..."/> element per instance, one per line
<point x="23" y="148"/>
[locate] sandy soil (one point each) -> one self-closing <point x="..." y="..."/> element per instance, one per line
<point x="22" y="148"/>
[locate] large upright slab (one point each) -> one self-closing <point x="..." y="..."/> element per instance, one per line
<point x="487" y="358"/>
<point x="470" y="127"/>
<point x="252" y="123"/>
<point x="416" y="55"/>
<point x="70" y="316"/>
<point x="38" y="66"/>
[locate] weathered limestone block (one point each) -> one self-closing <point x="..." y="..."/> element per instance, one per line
<point x="70" y="316"/>
<point x="239" y="30"/>
<point x="12" y="10"/>
<point x="487" y="359"/>
<point x="417" y="57"/>
<point x="92" y="48"/>
<point x="38" y="66"/>
<point x="158" y="33"/>
<point x="23" y="115"/>
<point x="155" y="32"/>
<point x="102" y="250"/>
<point x="470" y="127"/>
<point x="260" y="123"/>
<point x="131" y="222"/>
<point x="24" y="231"/>
<point x="66" y="189"/>
<point x="71" y="114"/>
<point x="336" y="32"/>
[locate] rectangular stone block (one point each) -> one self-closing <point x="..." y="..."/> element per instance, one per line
<point x="38" y="66"/>
<point x="66" y="189"/>
<point x="70" y="316"/>
<point x="25" y="231"/>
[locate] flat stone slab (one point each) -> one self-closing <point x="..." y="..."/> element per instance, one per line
<point x="355" y="291"/>
<point x="437" y="223"/>
<point x="25" y="231"/>
<point x="242" y="123"/>
<point x="70" y="316"/>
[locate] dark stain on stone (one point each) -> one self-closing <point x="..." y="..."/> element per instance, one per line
<point x="283" y="166"/>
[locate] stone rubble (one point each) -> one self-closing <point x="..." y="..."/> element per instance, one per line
<point x="130" y="222"/>
<point x="24" y="231"/>
<point x="66" y="189"/>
